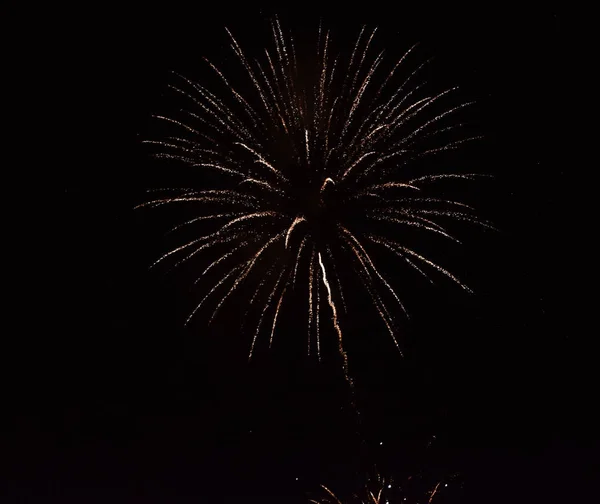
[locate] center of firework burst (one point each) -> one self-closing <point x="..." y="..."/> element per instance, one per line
<point x="315" y="212"/>
<point x="319" y="212"/>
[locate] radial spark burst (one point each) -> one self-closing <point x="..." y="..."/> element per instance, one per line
<point x="379" y="490"/>
<point x="320" y="169"/>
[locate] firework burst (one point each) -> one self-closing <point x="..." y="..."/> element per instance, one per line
<point x="320" y="170"/>
<point x="379" y="490"/>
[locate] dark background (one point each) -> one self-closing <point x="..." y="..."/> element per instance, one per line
<point x="110" y="399"/>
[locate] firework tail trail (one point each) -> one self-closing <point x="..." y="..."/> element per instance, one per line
<point x="336" y="324"/>
<point x="317" y="312"/>
<point x="337" y="279"/>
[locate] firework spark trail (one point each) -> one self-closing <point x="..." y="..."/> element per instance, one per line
<point x="261" y="160"/>
<point x="175" y="250"/>
<point x="322" y="80"/>
<point x="360" y="92"/>
<point x="429" y="222"/>
<point x="256" y="215"/>
<point x="390" y="185"/>
<point x="175" y="146"/>
<point x="245" y="273"/>
<point x="192" y="147"/>
<point x="290" y="81"/>
<point x="219" y="106"/>
<point x="367" y="280"/>
<point x="321" y="156"/>
<point x="310" y="295"/>
<point x="331" y="494"/>
<point x="302" y="244"/>
<point x="201" y="218"/>
<point x="198" y="306"/>
<point x="263" y="184"/>
<point x="213" y="166"/>
<point x="356" y="163"/>
<point x="266" y="307"/>
<point x="329" y="129"/>
<point x="259" y="286"/>
<point x="249" y="110"/>
<point x="227" y="196"/>
<point x="326" y="183"/>
<point x="337" y="279"/>
<point x="458" y="216"/>
<point x="283" y="64"/>
<point x="294" y="71"/>
<point x="317" y="310"/>
<point x="378" y="112"/>
<point x="219" y="260"/>
<point x="212" y="114"/>
<point x="362" y="59"/>
<point x="357" y="245"/>
<point x="379" y="161"/>
<point x="278" y="96"/>
<point x="277" y="313"/>
<point x="438" y="117"/>
<point x="395" y="247"/>
<point x="433" y="493"/>
<point x="414" y="223"/>
<point x="179" y="123"/>
<point x="419" y="106"/>
<point x="336" y="324"/>
<point x="448" y="146"/>
<point x="307" y="144"/>
<point x="254" y="297"/>
<point x="379" y="490"/>
<point x="219" y="239"/>
<point x="391" y="74"/>
<point x="429" y="200"/>
<point x="352" y="59"/>
<point x="432" y="178"/>
<point x="272" y="94"/>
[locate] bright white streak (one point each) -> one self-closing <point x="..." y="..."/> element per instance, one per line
<point x="317" y="309"/>
<point x="336" y="324"/>
<point x="337" y="279"/>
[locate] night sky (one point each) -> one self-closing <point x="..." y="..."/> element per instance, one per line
<point x="111" y="399"/>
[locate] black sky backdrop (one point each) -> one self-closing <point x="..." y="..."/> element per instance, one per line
<point x="110" y="399"/>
